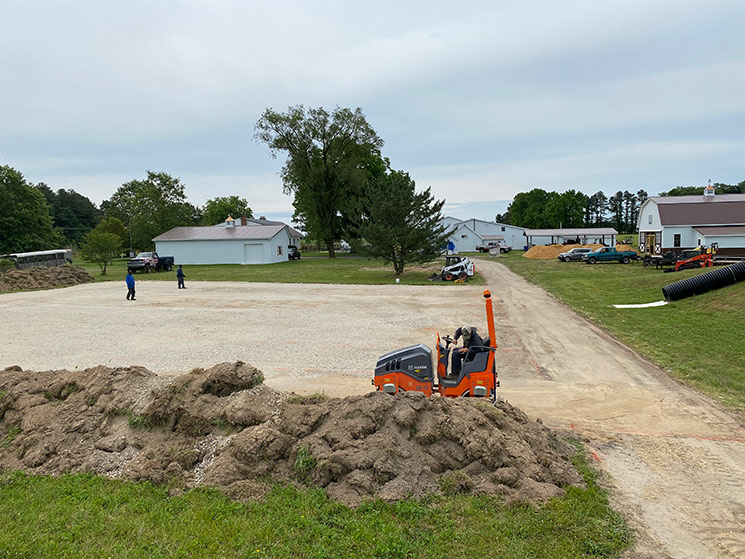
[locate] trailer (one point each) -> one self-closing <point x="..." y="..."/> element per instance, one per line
<point x="48" y="258"/>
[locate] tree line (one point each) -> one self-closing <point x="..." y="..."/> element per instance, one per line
<point x="541" y="209"/>
<point x="35" y="217"/>
<point x="343" y="188"/>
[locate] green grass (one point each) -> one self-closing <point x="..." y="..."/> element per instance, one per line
<point x="344" y="269"/>
<point x="699" y="340"/>
<point x="82" y="516"/>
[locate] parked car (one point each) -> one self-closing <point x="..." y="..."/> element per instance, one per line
<point x="293" y="253"/>
<point x="489" y="245"/>
<point x="610" y="254"/>
<point x="574" y="254"/>
<point x="147" y="261"/>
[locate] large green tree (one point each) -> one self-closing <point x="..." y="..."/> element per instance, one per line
<point x="218" y="209"/>
<point x="74" y="214"/>
<point x="25" y="219"/>
<point x="325" y="167"/>
<point x="566" y="210"/>
<point x="150" y="207"/>
<point x="529" y="209"/>
<point x="402" y="226"/>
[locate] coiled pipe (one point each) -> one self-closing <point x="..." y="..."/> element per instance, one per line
<point x="702" y="283"/>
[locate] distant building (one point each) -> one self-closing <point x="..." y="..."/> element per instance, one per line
<point x="677" y="223"/>
<point x="583" y="236"/>
<point x="253" y="241"/>
<point x="467" y="234"/>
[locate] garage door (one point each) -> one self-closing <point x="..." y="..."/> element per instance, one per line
<point x="253" y="254"/>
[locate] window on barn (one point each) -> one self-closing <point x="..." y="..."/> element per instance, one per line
<point x="650" y="218"/>
<point x="676" y="240"/>
<point x="464" y="236"/>
<point x="279" y="250"/>
<point x="502" y="229"/>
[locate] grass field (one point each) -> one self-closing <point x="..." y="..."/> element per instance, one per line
<point x="344" y="269"/>
<point x="82" y="516"/>
<point x="699" y="340"/>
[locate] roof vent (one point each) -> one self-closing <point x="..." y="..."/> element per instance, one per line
<point x="708" y="189"/>
<point x="230" y="222"/>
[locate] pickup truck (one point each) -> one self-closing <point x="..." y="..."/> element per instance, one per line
<point x="501" y="245"/>
<point x="609" y="254"/>
<point x="147" y="261"/>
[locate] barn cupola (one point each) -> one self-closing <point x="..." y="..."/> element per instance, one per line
<point x="708" y="189"/>
<point x="230" y="222"/>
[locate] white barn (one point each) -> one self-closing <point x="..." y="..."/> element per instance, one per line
<point x="467" y="234"/>
<point x="227" y="243"/>
<point x="677" y="223"/>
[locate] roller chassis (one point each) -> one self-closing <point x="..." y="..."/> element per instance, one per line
<point x="410" y="369"/>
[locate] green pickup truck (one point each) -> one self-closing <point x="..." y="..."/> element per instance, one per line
<point x="610" y="254"/>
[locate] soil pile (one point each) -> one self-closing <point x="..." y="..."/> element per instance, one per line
<point x="223" y="427"/>
<point x="553" y="251"/>
<point x="42" y="277"/>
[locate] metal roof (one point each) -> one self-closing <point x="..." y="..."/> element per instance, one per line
<point x="586" y="232"/>
<point x="248" y="232"/>
<point x="697" y="199"/>
<point x="721" y="209"/>
<point x="724" y="230"/>
<point x="264" y="222"/>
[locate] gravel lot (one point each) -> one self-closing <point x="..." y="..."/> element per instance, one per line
<point x="674" y="458"/>
<point x="303" y="337"/>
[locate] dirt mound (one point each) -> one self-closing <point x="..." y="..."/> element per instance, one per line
<point x="553" y="251"/>
<point x="223" y="427"/>
<point x="41" y="277"/>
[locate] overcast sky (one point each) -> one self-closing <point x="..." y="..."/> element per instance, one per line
<point x="479" y="100"/>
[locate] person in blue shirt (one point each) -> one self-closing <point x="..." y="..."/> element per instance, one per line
<point x="180" y="277"/>
<point x="130" y="279"/>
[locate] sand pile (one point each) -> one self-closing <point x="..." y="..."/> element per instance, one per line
<point x="223" y="427"/>
<point x="553" y="251"/>
<point x="42" y="277"/>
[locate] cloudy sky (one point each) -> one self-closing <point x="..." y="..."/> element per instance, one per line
<point x="479" y="100"/>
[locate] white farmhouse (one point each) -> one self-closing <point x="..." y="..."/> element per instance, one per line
<point x="228" y="243"/>
<point x="677" y="223"/>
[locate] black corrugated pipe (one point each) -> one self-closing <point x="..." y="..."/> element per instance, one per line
<point x="705" y="282"/>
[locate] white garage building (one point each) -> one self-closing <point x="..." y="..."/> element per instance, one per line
<point x="467" y="234"/>
<point x="226" y="244"/>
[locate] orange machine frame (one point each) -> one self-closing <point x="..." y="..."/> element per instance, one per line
<point x="468" y="383"/>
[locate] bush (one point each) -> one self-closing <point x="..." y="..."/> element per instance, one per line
<point x="6" y="264"/>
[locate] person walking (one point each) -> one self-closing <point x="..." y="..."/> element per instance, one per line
<point x="130" y="279"/>
<point x="180" y="277"/>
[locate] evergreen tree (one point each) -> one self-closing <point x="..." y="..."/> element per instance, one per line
<point x="402" y="226"/>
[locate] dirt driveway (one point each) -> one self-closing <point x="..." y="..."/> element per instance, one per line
<point x="677" y="462"/>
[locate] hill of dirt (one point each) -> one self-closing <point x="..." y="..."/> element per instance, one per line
<point x="224" y="427"/>
<point x="42" y="277"/>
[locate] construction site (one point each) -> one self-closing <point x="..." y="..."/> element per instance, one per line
<point x="242" y="386"/>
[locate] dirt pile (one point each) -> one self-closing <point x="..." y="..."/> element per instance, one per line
<point x="41" y="277"/>
<point x="223" y="427"/>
